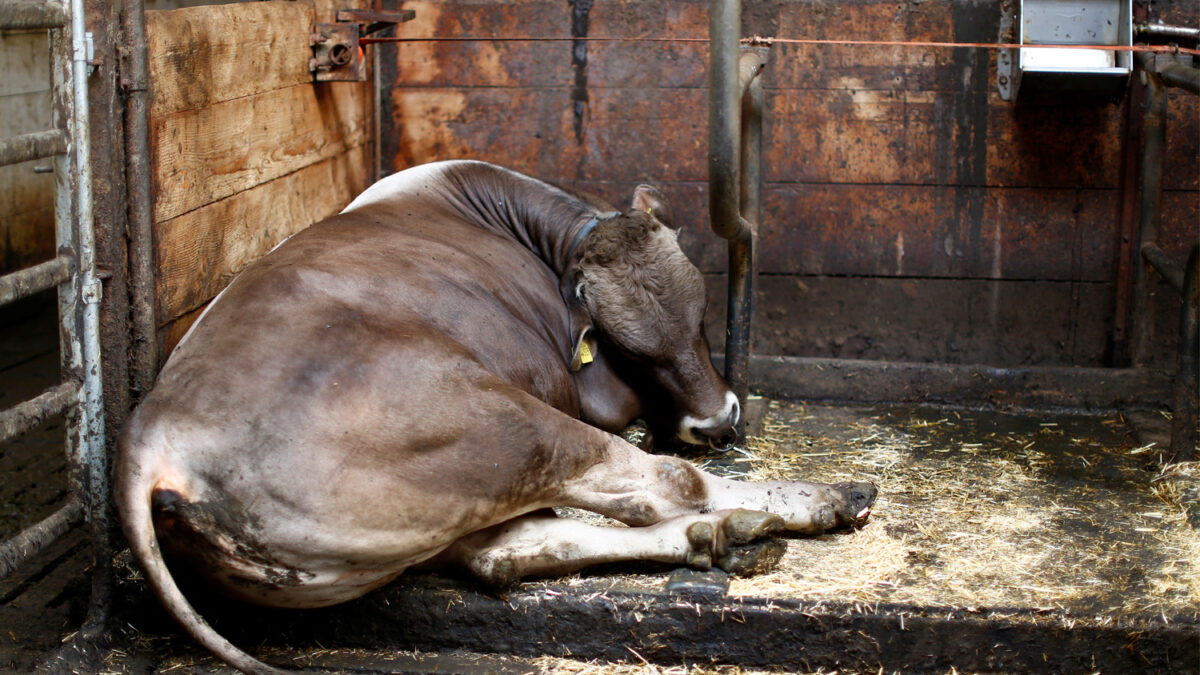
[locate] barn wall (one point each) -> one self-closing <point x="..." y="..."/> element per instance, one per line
<point x="911" y="214"/>
<point x="245" y="149"/>
<point x="26" y="197"/>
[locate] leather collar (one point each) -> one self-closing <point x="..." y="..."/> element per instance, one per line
<point x="587" y="229"/>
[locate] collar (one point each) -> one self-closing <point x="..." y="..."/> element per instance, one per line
<point x="587" y="229"/>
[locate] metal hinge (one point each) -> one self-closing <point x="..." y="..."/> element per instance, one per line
<point x="337" y="54"/>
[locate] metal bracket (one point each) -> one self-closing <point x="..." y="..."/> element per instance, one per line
<point x="337" y="53"/>
<point x="1008" y="75"/>
<point x="93" y="292"/>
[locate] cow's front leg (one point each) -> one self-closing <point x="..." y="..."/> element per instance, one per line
<point x="543" y="545"/>
<point x="639" y="489"/>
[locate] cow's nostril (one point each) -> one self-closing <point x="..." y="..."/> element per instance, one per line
<point x="723" y="441"/>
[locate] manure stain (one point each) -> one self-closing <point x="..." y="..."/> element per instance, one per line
<point x="580" y="10"/>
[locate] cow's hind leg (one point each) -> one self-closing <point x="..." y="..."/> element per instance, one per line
<point x="638" y="488"/>
<point x="543" y="545"/>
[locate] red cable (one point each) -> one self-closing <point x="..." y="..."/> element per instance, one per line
<point x="768" y="41"/>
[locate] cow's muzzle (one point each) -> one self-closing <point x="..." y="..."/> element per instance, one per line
<point x="718" y="431"/>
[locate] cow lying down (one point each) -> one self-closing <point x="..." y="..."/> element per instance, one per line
<point x="418" y="379"/>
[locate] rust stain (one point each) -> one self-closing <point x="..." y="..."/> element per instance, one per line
<point x="580" y="10"/>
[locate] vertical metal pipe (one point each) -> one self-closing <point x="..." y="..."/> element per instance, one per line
<point x="90" y="448"/>
<point x="725" y="29"/>
<point x="135" y="82"/>
<point x="743" y="249"/>
<point x="1187" y="375"/>
<point x="1150" y="206"/>
<point x="724" y="126"/>
<point x="1127" y="215"/>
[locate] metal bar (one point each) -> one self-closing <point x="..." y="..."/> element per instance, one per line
<point x="1181" y="75"/>
<point x="1127" y="253"/>
<point x="26" y="282"/>
<point x="1187" y="375"/>
<point x="24" y="416"/>
<point x="1156" y="30"/>
<point x="36" y="145"/>
<point x="1171" y="273"/>
<point x="90" y="447"/>
<point x="30" y="541"/>
<point x="725" y="28"/>
<point x="135" y="82"/>
<point x="743" y="250"/>
<point x="31" y="14"/>
<point x="1150" y="206"/>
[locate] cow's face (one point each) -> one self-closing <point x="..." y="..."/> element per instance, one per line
<point x="647" y="300"/>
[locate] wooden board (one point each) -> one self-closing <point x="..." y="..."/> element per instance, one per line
<point x="925" y="320"/>
<point x="209" y="154"/>
<point x="26" y="198"/>
<point x="245" y="148"/>
<point x="203" y="55"/>
<point x="886" y="168"/>
<point x="199" y="252"/>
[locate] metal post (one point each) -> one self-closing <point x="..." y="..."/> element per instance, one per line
<point x="725" y="29"/>
<point x="90" y="448"/>
<point x="1187" y="375"/>
<point x="734" y="166"/>
<point x="1155" y="132"/>
<point x="135" y="83"/>
<point x="743" y="250"/>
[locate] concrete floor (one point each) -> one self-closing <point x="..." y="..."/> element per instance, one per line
<point x="1002" y="542"/>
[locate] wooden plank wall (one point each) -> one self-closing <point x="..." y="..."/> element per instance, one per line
<point x="911" y="213"/>
<point x="26" y="197"/>
<point x="245" y="149"/>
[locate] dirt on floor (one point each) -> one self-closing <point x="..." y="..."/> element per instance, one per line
<point x="982" y="509"/>
<point x="996" y="512"/>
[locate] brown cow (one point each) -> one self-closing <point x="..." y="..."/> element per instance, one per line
<point x="418" y="379"/>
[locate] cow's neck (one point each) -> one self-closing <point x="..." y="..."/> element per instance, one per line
<point x="542" y="217"/>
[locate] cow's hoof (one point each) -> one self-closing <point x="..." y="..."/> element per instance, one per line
<point x="739" y="547"/>
<point x="854" y="507"/>
<point x="751" y="559"/>
<point x="743" y="526"/>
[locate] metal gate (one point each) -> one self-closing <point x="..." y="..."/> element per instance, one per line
<point x="72" y="270"/>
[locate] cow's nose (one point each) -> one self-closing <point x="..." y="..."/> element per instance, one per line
<point x="725" y="441"/>
<point x="718" y="431"/>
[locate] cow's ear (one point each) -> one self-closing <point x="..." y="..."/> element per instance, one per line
<point x="649" y="199"/>
<point x="584" y="345"/>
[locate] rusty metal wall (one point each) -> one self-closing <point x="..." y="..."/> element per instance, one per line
<point x="910" y="213"/>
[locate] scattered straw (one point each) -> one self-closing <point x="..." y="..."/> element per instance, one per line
<point x="985" y="510"/>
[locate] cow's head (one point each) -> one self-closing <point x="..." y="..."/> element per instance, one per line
<point x="635" y="292"/>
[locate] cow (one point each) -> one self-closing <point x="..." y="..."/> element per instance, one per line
<point x="418" y="381"/>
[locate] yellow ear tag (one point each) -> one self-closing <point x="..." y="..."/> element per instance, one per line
<point x="649" y="209"/>
<point x="585" y="353"/>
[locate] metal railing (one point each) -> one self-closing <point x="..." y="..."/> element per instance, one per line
<point x="735" y="176"/>
<point x="72" y="271"/>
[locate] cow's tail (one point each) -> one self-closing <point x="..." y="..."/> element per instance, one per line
<point x="135" y="489"/>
